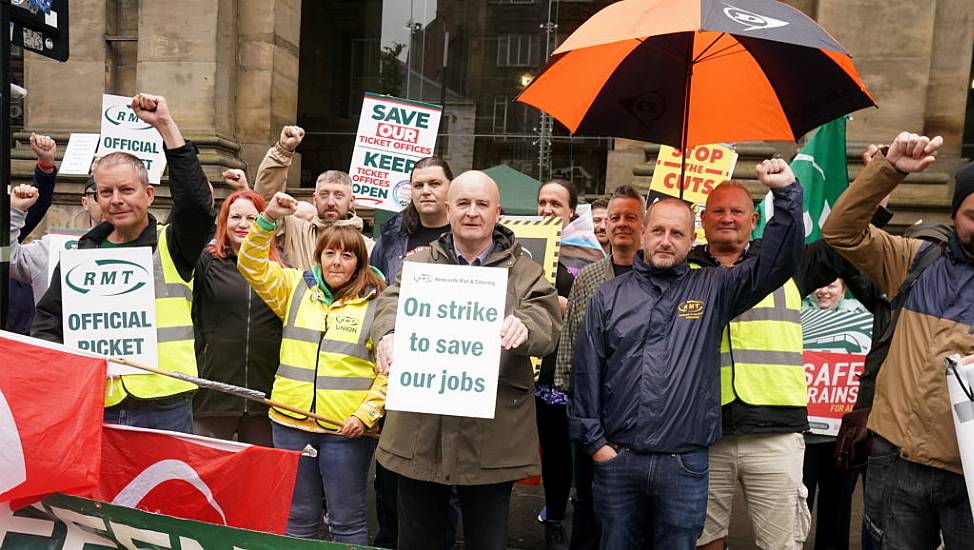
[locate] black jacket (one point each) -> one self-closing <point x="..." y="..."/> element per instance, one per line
<point x="192" y="222"/>
<point x="819" y="266"/>
<point x="647" y="359"/>
<point x="390" y="247"/>
<point x="238" y="338"/>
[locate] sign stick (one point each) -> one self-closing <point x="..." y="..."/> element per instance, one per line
<point x="246" y="393"/>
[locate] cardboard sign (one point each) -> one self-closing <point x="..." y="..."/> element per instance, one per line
<point x="836" y="344"/>
<point x="109" y="306"/>
<point x="392" y="135"/>
<point x="707" y="166"/>
<point x="447" y="345"/>
<point x="79" y="153"/>
<point x="540" y="239"/>
<point x="58" y="240"/>
<point x="122" y="130"/>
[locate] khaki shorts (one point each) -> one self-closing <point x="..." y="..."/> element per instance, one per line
<point x="769" y="469"/>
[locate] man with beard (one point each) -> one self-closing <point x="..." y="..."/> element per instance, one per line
<point x="915" y="490"/>
<point x="332" y="198"/>
<point x="645" y="401"/>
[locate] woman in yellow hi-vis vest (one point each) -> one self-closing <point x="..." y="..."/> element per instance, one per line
<point x="327" y="366"/>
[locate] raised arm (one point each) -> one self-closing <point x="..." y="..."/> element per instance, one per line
<point x="749" y="282"/>
<point x="272" y="172"/>
<point x="884" y="258"/>
<point x="268" y="279"/>
<point x="192" y="214"/>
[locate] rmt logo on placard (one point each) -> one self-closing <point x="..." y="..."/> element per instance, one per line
<point x="124" y="116"/>
<point x="107" y="277"/>
<point x="750" y="20"/>
<point x="423" y="278"/>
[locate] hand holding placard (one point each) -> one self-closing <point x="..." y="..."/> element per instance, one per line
<point x="513" y="333"/>
<point x="384" y="353"/>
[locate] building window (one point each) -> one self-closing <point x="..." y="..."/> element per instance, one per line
<point x="501" y="104"/>
<point x="518" y="50"/>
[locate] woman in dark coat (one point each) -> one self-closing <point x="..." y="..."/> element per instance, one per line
<point x="238" y="338"/>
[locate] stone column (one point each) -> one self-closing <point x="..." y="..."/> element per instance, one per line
<point x="268" y="39"/>
<point x="187" y="52"/>
<point x="892" y="45"/>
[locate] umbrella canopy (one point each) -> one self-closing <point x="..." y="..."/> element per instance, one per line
<point x="693" y="72"/>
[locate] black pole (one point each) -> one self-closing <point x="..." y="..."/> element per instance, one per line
<point x="686" y="120"/>
<point x="4" y="164"/>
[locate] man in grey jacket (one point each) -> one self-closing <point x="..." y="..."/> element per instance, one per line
<point x="29" y="263"/>
<point x="646" y="397"/>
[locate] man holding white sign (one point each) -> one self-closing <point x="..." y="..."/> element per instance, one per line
<point x="481" y="456"/>
<point x="124" y="196"/>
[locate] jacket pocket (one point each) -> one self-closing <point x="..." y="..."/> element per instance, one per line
<point x="400" y="434"/>
<point x="511" y="439"/>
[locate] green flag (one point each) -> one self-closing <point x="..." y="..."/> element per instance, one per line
<point x="821" y="169"/>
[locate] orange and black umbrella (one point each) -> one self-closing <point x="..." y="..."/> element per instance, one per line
<point x="692" y="72"/>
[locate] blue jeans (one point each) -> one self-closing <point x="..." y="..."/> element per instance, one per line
<point x="341" y="472"/>
<point x="664" y="494"/>
<point x="175" y="417"/>
<point x="910" y="506"/>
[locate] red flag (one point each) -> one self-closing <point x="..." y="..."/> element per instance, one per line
<point x="51" y="409"/>
<point x="198" y="478"/>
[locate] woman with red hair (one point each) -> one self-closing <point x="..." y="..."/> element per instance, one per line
<point x="237" y="336"/>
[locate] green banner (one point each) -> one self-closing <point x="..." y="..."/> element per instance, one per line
<point x="62" y="522"/>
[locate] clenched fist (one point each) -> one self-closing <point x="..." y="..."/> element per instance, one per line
<point x="44" y="147"/>
<point x="23" y="197"/>
<point x="291" y="137"/>
<point x="775" y="173"/>
<point x="281" y="205"/>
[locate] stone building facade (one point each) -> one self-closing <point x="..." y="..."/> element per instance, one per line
<point x="235" y="71"/>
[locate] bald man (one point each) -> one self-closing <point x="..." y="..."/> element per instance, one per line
<point x="645" y="403"/>
<point x="482" y="457"/>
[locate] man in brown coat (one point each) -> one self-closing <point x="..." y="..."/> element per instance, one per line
<point x="332" y="198"/>
<point x="915" y="490"/>
<point x="482" y="457"/>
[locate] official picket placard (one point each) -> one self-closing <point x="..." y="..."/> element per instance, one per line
<point x="393" y="134"/>
<point x="109" y="307"/>
<point x="122" y="130"/>
<point x="446" y="352"/>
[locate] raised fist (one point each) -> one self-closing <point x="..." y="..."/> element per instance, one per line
<point x="775" y="173"/>
<point x="236" y="179"/>
<point x="153" y="109"/>
<point x="281" y="205"/>
<point x="911" y="153"/>
<point x="23" y="197"/>
<point x="291" y="137"/>
<point x="44" y="147"/>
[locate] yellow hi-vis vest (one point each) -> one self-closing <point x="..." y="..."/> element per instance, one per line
<point x="761" y="361"/>
<point x="174" y="334"/>
<point x="327" y="358"/>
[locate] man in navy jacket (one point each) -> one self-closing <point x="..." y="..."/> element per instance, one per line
<point x="646" y="399"/>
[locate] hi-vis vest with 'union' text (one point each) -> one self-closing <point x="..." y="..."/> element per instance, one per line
<point x="174" y="334"/>
<point x="327" y="364"/>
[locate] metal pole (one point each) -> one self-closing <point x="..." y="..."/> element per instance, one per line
<point x="443" y="129"/>
<point x="4" y="164"/>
